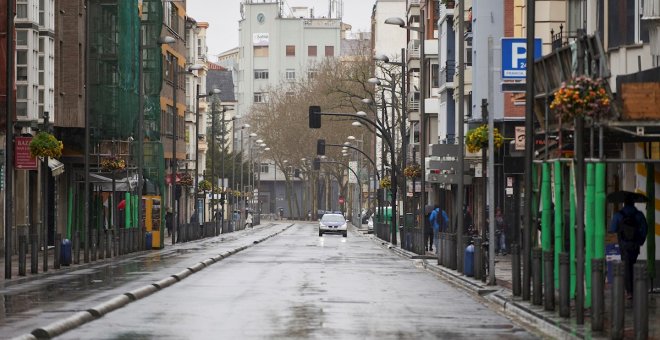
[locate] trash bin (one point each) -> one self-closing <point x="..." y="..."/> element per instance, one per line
<point x="468" y="261"/>
<point x="65" y="252"/>
<point x="148" y="240"/>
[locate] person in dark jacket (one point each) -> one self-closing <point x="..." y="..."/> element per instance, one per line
<point x="169" y="219"/>
<point x="629" y="248"/>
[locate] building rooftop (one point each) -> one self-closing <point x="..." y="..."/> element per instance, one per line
<point x="220" y="78"/>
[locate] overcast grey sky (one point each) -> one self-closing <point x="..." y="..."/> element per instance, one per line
<point x="223" y="16"/>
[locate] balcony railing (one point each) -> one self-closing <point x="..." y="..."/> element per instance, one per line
<point x="447" y="73"/>
<point x="413" y="49"/>
<point x="413" y="101"/>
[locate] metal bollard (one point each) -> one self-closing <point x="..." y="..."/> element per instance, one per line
<point x="549" y="280"/>
<point x="452" y="251"/>
<point x="618" y="300"/>
<point x="34" y="253"/>
<point x="537" y="294"/>
<point x="597" y="294"/>
<point x="93" y="244"/>
<point x="478" y="266"/>
<point x="439" y="248"/>
<point x="22" y="254"/>
<point x="640" y="302"/>
<point x="76" y="247"/>
<point x="57" y="250"/>
<point x="564" y="286"/>
<point x="102" y="245"/>
<point x="515" y="269"/>
<point x="461" y="244"/>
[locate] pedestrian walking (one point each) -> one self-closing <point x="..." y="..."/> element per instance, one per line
<point x="630" y="226"/>
<point x="169" y="219"/>
<point x="248" y="219"/>
<point x="440" y="221"/>
<point x="428" y="228"/>
<point x="500" y="231"/>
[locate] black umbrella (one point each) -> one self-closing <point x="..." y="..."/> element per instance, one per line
<point x="621" y="196"/>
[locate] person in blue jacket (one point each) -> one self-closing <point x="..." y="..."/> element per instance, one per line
<point x="630" y="226"/>
<point x="440" y="221"/>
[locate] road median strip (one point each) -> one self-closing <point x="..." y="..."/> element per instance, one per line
<point x="78" y="319"/>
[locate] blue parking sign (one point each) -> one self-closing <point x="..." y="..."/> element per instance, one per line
<point x="514" y="57"/>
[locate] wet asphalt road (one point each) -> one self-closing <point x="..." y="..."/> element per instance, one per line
<point x="294" y="285"/>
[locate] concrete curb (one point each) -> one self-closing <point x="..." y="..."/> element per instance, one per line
<point x="60" y="327"/>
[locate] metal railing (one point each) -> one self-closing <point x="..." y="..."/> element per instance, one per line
<point x="413" y="49"/>
<point x="447" y="73"/>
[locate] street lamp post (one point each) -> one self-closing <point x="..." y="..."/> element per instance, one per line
<point x="199" y="96"/>
<point x="422" y="120"/>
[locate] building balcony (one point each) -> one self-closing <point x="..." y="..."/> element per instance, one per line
<point x="413" y="49"/>
<point x="447" y="74"/>
<point x="413" y="100"/>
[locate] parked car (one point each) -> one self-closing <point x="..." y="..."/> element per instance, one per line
<point x="333" y="223"/>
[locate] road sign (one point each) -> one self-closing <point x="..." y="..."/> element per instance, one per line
<point x="514" y="57"/>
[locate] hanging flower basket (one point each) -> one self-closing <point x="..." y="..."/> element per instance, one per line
<point x="46" y="145"/>
<point x="582" y="96"/>
<point x="477" y="139"/>
<point x="385" y="183"/>
<point x="186" y="180"/>
<point x="204" y="185"/>
<point x="237" y="193"/>
<point x="113" y="163"/>
<point x="412" y="171"/>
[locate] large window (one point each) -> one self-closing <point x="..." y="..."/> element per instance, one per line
<point x="21" y="100"/>
<point x="264" y="168"/>
<point x="21" y="38"/>
<point x="290" y="74"/>
<point x="261" y="51"/>
<point x="435" y="75"/>
<point x="311" y="51"/>
<point x="290" y="50"/>
<point x="260" y="97"/>
<point x="625" y="26"/>
<point x="260" y="74"/>
<point x="329" y="51"/>
<point x="171" y="16"/>
<point x="21" y="65"/>
<point x="21" y="9"/>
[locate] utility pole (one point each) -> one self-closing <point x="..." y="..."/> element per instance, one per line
<point x="529" y="153"/>
<point x="9" y="142"/>
<point x="461" y="143"/>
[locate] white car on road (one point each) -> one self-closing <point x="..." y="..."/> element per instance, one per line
<point x="333" y="223"/>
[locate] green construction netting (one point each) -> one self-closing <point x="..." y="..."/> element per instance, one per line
<point x="113" y="66"/>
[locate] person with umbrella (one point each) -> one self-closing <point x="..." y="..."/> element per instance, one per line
<point x="630" y="226"/>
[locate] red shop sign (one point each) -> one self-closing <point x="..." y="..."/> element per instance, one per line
<point x="22" y="157"/>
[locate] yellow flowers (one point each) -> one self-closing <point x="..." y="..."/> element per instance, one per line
<point x="46" y="145"/>
<point x="186" y="180"/>
<point x="385" y="183"/>
<point x="582" y="96"/>
<point x="476" y="139"/>
<point x="113" y="163"/>
<point x="412" y="171"/>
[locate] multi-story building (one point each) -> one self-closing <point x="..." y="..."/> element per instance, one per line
<point x="275" y="48"/>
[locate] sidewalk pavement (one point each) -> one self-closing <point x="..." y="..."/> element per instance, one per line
<point x="547" y="322"/>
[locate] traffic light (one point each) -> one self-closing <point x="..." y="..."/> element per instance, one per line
<point x="320" y="147"/>
<point x="317" y="164"/>
<point x="314" y="117"/>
